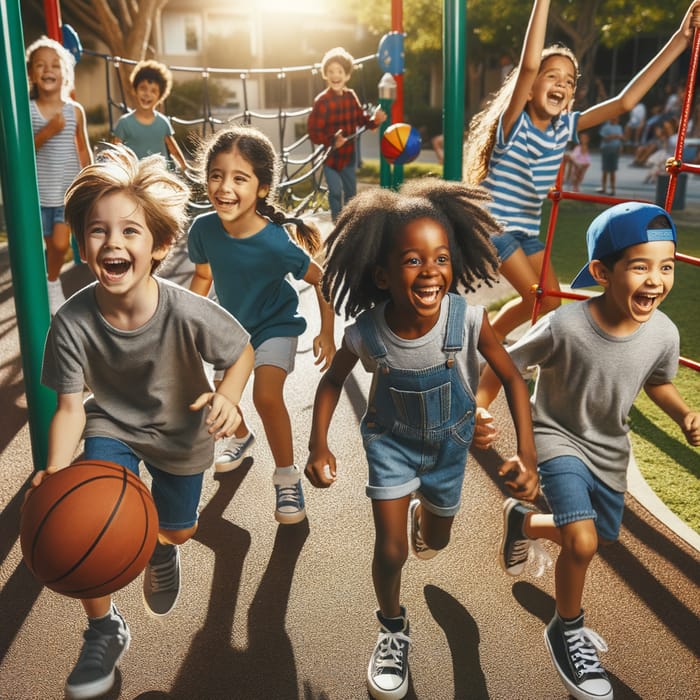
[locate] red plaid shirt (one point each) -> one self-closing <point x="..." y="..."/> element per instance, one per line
<point x="332" y="112"/>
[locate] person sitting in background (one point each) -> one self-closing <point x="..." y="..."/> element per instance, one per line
<point x="635" y="124"/>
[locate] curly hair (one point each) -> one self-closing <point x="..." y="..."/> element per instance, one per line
<point x="366" y="231"/>
<point x="64" y="56"/>
<point x="482" y="128"/>
<point x="160" y="193"/>
<point x="257" y="149"/>
<point x="153" y="72"/>
<point x="337" y="55"/>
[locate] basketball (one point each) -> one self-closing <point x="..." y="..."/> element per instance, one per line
<point x="401" y="143"/>
<point x="89" y="529"/>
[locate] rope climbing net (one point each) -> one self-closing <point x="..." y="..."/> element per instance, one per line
<point x="301" y="187"/>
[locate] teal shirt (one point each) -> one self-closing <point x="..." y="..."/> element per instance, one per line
<point x="144" y="139"/>
<point x="250" y="276"/>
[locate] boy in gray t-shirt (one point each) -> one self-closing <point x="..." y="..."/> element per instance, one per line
<point x="593" y="359"/>
<point x="138" y="343"/>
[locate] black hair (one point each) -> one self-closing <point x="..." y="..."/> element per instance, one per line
<point x="658" y="222"/>
<point x="366" y="228"/>
<point x="152" y="72"/>
<point x="258" y="150"/>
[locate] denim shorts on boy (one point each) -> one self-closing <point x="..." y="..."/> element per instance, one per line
<point x="278" y="352"/>
<point x="610" y="160"/>
<point x="176" y="497"/>
<point x="574" y="492"/>
<point x="51" y="216"/>
<point x="508" y="242"/>
<point x="419" y="425"/>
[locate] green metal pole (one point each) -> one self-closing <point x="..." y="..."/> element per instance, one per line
<point x="23" y="217"/>
<point x="384" y="165"/>
<point x="454" y="30"/>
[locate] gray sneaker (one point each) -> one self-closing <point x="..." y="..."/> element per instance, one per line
<point x="161" y="580"/>
<point x="105" y="642"/>
<point x="232" y="457"/>
<point x="420" y="549"/>
<point x="290" y="497"/>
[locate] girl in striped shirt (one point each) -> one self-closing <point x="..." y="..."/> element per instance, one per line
<point x="516" y="145"/>
<point x="62" y="148"/>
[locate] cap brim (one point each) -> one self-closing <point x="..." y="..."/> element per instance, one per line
<point x="584" y="278"/>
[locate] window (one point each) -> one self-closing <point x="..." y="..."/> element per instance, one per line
<point x="182" y="33"/>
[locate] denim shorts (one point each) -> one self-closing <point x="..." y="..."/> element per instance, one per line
<point x="176" y="496"/>
<point x="51" y="216"/>
<point x="507" y="243"/>
<point x="574" y="492"/>
<point x="398" y="467"/>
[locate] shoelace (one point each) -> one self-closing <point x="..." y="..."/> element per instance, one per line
<point x="390" y="652"/>
<point x="163" y="575"/>
<point x="538" y="558"/>
<point x="582" y="644"/>
<point x="94" y="649"/>
<point x="288" y="496"/>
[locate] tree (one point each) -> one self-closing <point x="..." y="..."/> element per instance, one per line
<point x="124" y="26"/>
<point x="498" y="26"/>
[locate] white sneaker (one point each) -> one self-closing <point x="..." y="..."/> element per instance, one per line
<point x="420" y="549"/>
<point x="56" y="296"/>
<point x="232" y="457"/>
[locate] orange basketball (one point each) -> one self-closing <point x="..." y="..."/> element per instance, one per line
<point x="89" y="529"/>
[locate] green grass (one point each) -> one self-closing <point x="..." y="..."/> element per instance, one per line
<point x="668" y="463"/>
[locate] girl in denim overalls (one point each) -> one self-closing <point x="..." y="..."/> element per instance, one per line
<point x="394" y="261"/>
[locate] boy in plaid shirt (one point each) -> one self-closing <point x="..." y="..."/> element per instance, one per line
<point x="336" y="115"/>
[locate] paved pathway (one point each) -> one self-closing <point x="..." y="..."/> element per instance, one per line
<point x="279" y="613"/>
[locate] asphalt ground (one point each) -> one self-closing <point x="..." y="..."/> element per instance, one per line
<point x="283" y="612"/>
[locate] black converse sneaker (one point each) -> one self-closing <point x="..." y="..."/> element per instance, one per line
<point x="161" y="580"/>
<point x="387" y="673"/>
<point x="515" y="545"/>
<point x="573" y="650"/>
<point x="420" y="549"/>
<point x="105" y="642"/>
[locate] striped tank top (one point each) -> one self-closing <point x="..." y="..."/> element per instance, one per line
<point x="57" y="161"/>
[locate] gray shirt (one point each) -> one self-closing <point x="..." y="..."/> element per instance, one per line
<point x="143" y="380"/>
<point x="425" y="351"/>
<point x="588" y="381"/>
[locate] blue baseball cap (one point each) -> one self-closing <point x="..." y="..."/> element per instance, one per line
<point x="620" y="227"/>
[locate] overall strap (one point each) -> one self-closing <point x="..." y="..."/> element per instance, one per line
<point x="454" y="333"/>
<point x="370" y="336"/>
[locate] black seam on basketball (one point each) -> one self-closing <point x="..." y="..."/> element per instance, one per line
<point x="104" y="529"/>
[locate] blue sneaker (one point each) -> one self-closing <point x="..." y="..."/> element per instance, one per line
<point x="290" y="496"/>
<point x="232" y="457"/>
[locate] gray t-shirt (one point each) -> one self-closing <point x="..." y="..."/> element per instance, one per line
<point x="425" y="351"/>
<point x="588" y="381"/>
<point x="143" y="381"/>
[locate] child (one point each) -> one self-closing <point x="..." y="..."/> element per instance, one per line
<point x="606" y="349"/>
<point x="516" y="145"/>
<point x="578" y="160"/>
<point x="126" y="215"/>
<point x="396" y="258"/>
<point x="611" y="139"/>
<point x="243" y="248"/>
<point x="145" y="130"/>
<point x="62" y="148"/>
<point x="333" y="120"/>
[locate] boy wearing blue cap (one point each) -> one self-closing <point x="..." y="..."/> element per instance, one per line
<point x="593" y="357"/>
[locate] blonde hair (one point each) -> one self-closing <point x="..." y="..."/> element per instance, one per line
<point x="160" y="193"/>
<point x="482" y="128"/>
<point x="64" y="56"/>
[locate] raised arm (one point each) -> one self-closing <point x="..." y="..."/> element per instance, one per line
<point x="530" y="60"/>
<point x="640" y="85"/>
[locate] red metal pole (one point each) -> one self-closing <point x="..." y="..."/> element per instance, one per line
<point x="52" y="13"/>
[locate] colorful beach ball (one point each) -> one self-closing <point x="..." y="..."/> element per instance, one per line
<point x="401" y="143"/>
